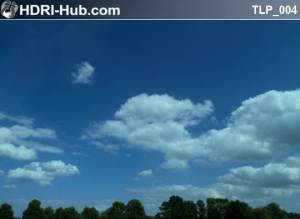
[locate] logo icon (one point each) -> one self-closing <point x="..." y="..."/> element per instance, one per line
<point x="9" y="9"/>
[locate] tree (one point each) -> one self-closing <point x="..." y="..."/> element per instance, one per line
<point x="6" y="211"/>
<point x="49" y="213"/>
<point x="201" y="209"/>
<point x="59" y="213"/>
<point x="116" y="211"/>
<point x="216" y="208"/>
<point x="134" y="210"/>
<point x="172" y="209"/>
<point x="70" y="213"/>
<point x="259" y="213"/>
<point x="34" y="210"/>
<point x="190" y="210"/>
<point x="89" y="213"/>
<point x="238" y="210"/>
<point x="274" y="211"/>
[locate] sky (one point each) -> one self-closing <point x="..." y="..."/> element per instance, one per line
<point x="93" y="112"/>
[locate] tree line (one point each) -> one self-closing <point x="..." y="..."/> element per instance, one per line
<point x="174" y="208"/>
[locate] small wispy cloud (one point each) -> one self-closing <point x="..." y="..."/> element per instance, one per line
<point x="146" y="173"/>
<point x="9" y="186"/>
<point x="84" y="74"/>
<point x="110" y="148"/>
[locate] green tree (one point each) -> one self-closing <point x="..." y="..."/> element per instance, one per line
<point x="59" y="213"/>
<point x="190" y="210"/>
<point x="216" y="208"/>
<point x="70" y="213"/>
<point x="116" y="211"/>
<point x="238" y="210"/>
<point x="6" y="211"/>
<point x="49" y="213"/>
<point x="34" y="210"/>
<point x="89" y="213"/>
<point x="134" y="210"/>
<point x="259" y="213"/>
<point x="201" y="209"/>
<point x="172" y="209"/>
<point x="274" y="211"/>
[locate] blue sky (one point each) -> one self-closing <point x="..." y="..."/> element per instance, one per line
<point x="93" y="112"/>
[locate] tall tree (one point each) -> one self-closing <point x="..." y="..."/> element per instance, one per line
<point x="49" y="213"/>
<point x="134" y="210"/>
<point x="6" y="211"/>
<point x="201" y="209"/>
<point x="34" y="210"/>
<point x="89" y="213"/>
<point x="238" y="210"/>
<point x="116" y="211"/>
<point x="70" y="213"/>
<point x="216" y="208"/>
<point x="59" y="213"/>
<point x="190" y="210"/>
<point x="274" y="211"/>
<point x="172" y="209"/>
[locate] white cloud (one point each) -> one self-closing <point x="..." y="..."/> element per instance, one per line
<point x="17" y="119"/>
<point x="175" y="163"/>
<point x="43" y="173"/>
<point x="17" y="152"/>
<point x="1" y="172"/>
<point x="275" y="181"/>
<point x="9" y="186"/>
<point x="262" y="127"/>
<point x="273" y="175"/>
<point x="155" y="122"/>
<point x="84" y="74"/>
<point x="20" y="140"/>
<point x="146" y="173"/>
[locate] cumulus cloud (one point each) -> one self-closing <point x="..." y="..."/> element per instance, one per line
<point x="262" y="127"/>
<point x="146" y="173"/>
<point x="275" y="181"/>
<point x="43" y="173"/>
<point x="155" y="122"/>
<point x="84" y="74"/>
<point x="273" y="175"/>
<point x="17" y="152"/>
<point x="20" y="140"/>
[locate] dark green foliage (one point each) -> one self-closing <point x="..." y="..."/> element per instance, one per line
<point x="66" y="213"/>
<point x="238" y="210"/>
<point x="174" y="208"/>
<point x="134" y="210"/>
<point x="271" y="211"/>
<point x="116" y="211"/>
<point x="216" y="208"/>
<point x="274" y="211"/>
<point x="89" y="213"/>
<point x="70" y="213"/>
<point x="34" y="210"/>
<point x="190" y="210"/>
<point x="292" y="216"/>
<point x="201" y="209"/>
<point x="6" y="211"/>
<point x="59" y="213"/>
<point x="49" y="213"/>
